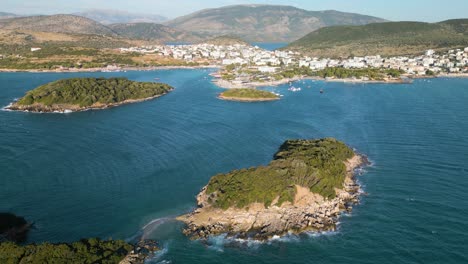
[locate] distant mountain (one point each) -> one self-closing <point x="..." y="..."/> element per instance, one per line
<point x="265" y="23"/>
<point x="56" y="23"/>
<point x="151" y="31"/>
<point x="4" y="15"/>
<point x="391" y="38"/>
<point x="114" y="17"/>
<point x="226" y="40"/>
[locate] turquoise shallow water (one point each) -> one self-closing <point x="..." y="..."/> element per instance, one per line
<point x="109" y="173"/>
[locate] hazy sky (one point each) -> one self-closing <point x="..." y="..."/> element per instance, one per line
<point x="417" y="10"/>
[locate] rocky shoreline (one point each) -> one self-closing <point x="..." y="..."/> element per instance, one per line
<point x="308" y="212"/>
<point x="229" y="85"/>
<point x="246" y="100"/>
<point x="64" y="109"/>
<point x="143" y="250"/>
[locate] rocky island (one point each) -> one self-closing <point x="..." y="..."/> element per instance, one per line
<point x="248" y="95"/>
<point x="79" y="94"/>
<point x="305" y="188"/>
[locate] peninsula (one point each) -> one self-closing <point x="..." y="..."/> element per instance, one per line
<point x="248" y="95"/>
<point x="79" y="94"/>
<point x="13" y="236"/>
<point x="92" y="250"/>
<point x="307" y="185"/>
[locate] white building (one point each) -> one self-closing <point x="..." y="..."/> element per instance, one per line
<point x="354" y="64"/>
<point x="304" y="63"/>
<point x="234" y="61"/>
<point x="427" y="62"/>
<point x="267" y="69"/>
<point x="318" y="65"/>
<point x="35" y="49"/>
<point x="287" y="61"/>
<point x="430" y="52"/>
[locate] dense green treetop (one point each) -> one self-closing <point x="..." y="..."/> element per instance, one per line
<point x="340" y="73"/>
<point x="247" y="93"/>
<point x="390" y="38"/>
<point x="85" y="251"/>
<point x="316" y="164"/>
<point x="85" y="92"/>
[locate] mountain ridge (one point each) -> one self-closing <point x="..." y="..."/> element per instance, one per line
<point x="60" y="23"/>
<point x="5" y="15"/>
<point x="387" y="39"/>
<point x="154" y="31"/>
<point x="264" y="23"/>
<point x="108" y="17"/>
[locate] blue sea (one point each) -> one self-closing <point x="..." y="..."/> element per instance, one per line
<point x="270" y="46"/>
<point x="262" y="45"/>
<point x="128" y="171"/>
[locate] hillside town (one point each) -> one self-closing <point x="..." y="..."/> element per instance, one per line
<point x="430" y="63"/>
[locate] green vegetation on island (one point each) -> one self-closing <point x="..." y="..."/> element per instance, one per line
<point x="315" y="164"/>
<point x="288" y="73"/>
<point x="85" y="93"/>
<point x="370" y="73"/>
<point x="340" y="73"/>
<point x="247" y="94"/>
<point x="386" y="39"/>
<point x="85" y="251"/>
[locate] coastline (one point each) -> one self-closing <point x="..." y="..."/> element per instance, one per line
<point x="66" y="109"/>
<point x="74" y="70"/>
<point x="247" y="100"/>
<point x="308" y="212"/>
<point x="229" y="85"/>
<point x="453" y="75"/>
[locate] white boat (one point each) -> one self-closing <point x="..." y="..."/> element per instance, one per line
<point x="294" y="89"/>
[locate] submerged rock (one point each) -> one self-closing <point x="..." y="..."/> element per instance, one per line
<point x="13" y="228"/>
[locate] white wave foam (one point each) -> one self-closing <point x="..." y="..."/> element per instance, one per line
<point x="157" y="256"/>
<point x="155" y="221"/>
<point x="320" y="234"/>
<point x="5" y="108"/>
<point x="219" y="242"/>
<point x="149" y="228"/>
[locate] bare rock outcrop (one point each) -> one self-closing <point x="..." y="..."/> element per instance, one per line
<point x="308" y="212"/>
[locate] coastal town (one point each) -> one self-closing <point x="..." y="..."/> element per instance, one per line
<point x="245" y="64"/>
